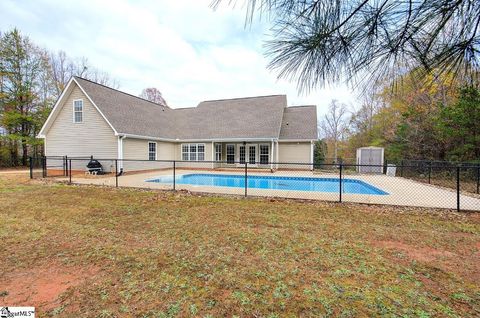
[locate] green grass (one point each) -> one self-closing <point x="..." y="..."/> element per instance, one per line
<point x="164" y="254"/>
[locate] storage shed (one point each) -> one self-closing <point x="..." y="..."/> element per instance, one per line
<point x="370" y="156"/>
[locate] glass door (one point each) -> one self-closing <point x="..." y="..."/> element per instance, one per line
<point x="252" y="154"/>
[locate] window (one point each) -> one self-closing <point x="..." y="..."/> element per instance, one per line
<point x="230" y="154"/>
<point x="193" y="152"/>
<point x="218" y="152"/>
<point x="264" y="154"/>
<point x="241" y="153"/>
<point x="252" y="154"/>
<point x="152" y="150"/>
<point x="185" y="152"/>
<point x="78" y="111"/>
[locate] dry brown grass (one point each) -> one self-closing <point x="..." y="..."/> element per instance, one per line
<point x="132" y="253"/>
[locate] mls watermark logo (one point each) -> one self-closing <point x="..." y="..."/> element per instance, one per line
<point x="17" y="312"/>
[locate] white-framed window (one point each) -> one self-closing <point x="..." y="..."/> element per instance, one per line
<point x="193" y="152"/>
<point x="152" y="150"/>
<point x="230" y="153"/>
<point x="252" y="154"/>
<point x="264" y="154"/>
<point x="78" y="111"/>
<point x="218" y="152"/>
<point x="241" y="153"/>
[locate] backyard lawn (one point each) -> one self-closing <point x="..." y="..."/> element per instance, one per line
<point x="88" y="251"/>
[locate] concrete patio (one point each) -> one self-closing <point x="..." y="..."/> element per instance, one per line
<point x="401" y="191"/>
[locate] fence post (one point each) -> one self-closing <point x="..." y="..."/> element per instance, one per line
<point x="458" y="188"/>
<point x="341" y="168"/>
<point x="246" y="181"/>
<point x="429" y="171"/>
<point x="44" y="167"/>
<point x="116" y="173"/>
<point x="174" y="168"/>
<point x="401" y="168"/>
<point x="70" y="171"/>
<point x="31" y="167"/>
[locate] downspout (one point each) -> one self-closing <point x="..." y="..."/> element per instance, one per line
<point x="271" y="155"/>
<point x="120" y="152"/>
<point x="213" y="156"/>
<point x="276" y="159"/>
<point x="311" y="153"/>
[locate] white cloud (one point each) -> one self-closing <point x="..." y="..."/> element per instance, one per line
<point x="184" y="48"/>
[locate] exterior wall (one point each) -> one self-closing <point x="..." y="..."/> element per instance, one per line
<point x="295" y="152"/>
<point x="92" y="137"/>
<point x="137" y="149"/>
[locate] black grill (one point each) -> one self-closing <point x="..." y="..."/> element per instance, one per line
<point x="94" y="165"/>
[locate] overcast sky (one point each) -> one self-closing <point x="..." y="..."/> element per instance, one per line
<point x="184" y="48"/>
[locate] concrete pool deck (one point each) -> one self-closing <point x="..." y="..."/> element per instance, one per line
<point x="401" y="191"/>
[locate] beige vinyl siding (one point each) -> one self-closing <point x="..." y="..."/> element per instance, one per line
<point x="137" y="149"/>
<point x="92" y="137"/>
<point x="294" y="152"/>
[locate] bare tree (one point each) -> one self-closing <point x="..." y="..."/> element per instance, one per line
<point x="63" y="68"/>
<point x="154" y="95"/>
<point x="334" y="124"/>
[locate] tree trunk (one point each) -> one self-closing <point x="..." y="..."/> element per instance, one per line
<point x="24" y="152"/>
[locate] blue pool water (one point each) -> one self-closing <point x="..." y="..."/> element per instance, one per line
<point x="273" y="182"/>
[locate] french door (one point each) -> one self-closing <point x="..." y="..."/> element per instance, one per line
<point x="248" y="153"/>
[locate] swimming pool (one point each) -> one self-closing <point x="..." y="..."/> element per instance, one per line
<point x="273" y="183"/>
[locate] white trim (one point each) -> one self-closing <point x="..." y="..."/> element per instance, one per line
<point x="234" y="154"/>
<point x="146" y="137"/>
<point x="224" y="140"/>
<point x="311" y="153"/>
<point x="256" y="159"/>
<point x="54" y="111"/>
<point x="196" y="153"/>
<point x="74" y="111"/>
<point x="276" y="154"/>
<point x="271" y="155"/>
<point x="41" y="134"/>
<point x="237" y="154"/>
<point x="156" y="149"/>
<point x="294" y="140"/>
<point x="213" y="152"/>
<point x="98" y="109"/>
<point x="120" y="150"/>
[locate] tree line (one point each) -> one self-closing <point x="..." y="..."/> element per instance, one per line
<point x="32" y="78"/>
<point x="428" y="117"/>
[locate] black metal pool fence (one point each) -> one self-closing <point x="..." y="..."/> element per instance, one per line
<point x="411" y="183"/>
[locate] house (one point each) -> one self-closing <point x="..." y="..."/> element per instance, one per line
<point x="90" y="119"/>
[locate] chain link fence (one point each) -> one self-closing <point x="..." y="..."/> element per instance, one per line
<point x="416" y="184"/>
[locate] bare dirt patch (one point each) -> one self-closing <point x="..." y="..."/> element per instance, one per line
<point x="421" y="254"/>
<point x="42" y="286"/>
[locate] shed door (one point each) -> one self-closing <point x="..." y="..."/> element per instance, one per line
<point x="376" y="159"/>
<point x="371" y="157"/>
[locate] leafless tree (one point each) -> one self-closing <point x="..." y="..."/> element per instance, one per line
<point x="334" y="124"/>
<point x="63" y="68"/>
<point x="154" y="95"/>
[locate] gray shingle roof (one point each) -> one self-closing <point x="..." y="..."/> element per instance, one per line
<point x="299" y="122"/>
<point x="251" y="117"/>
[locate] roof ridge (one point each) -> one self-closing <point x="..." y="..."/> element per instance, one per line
<point x="249" y="97"/>
<point x="119" y="91"/>
<point x="296" y="106"/>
